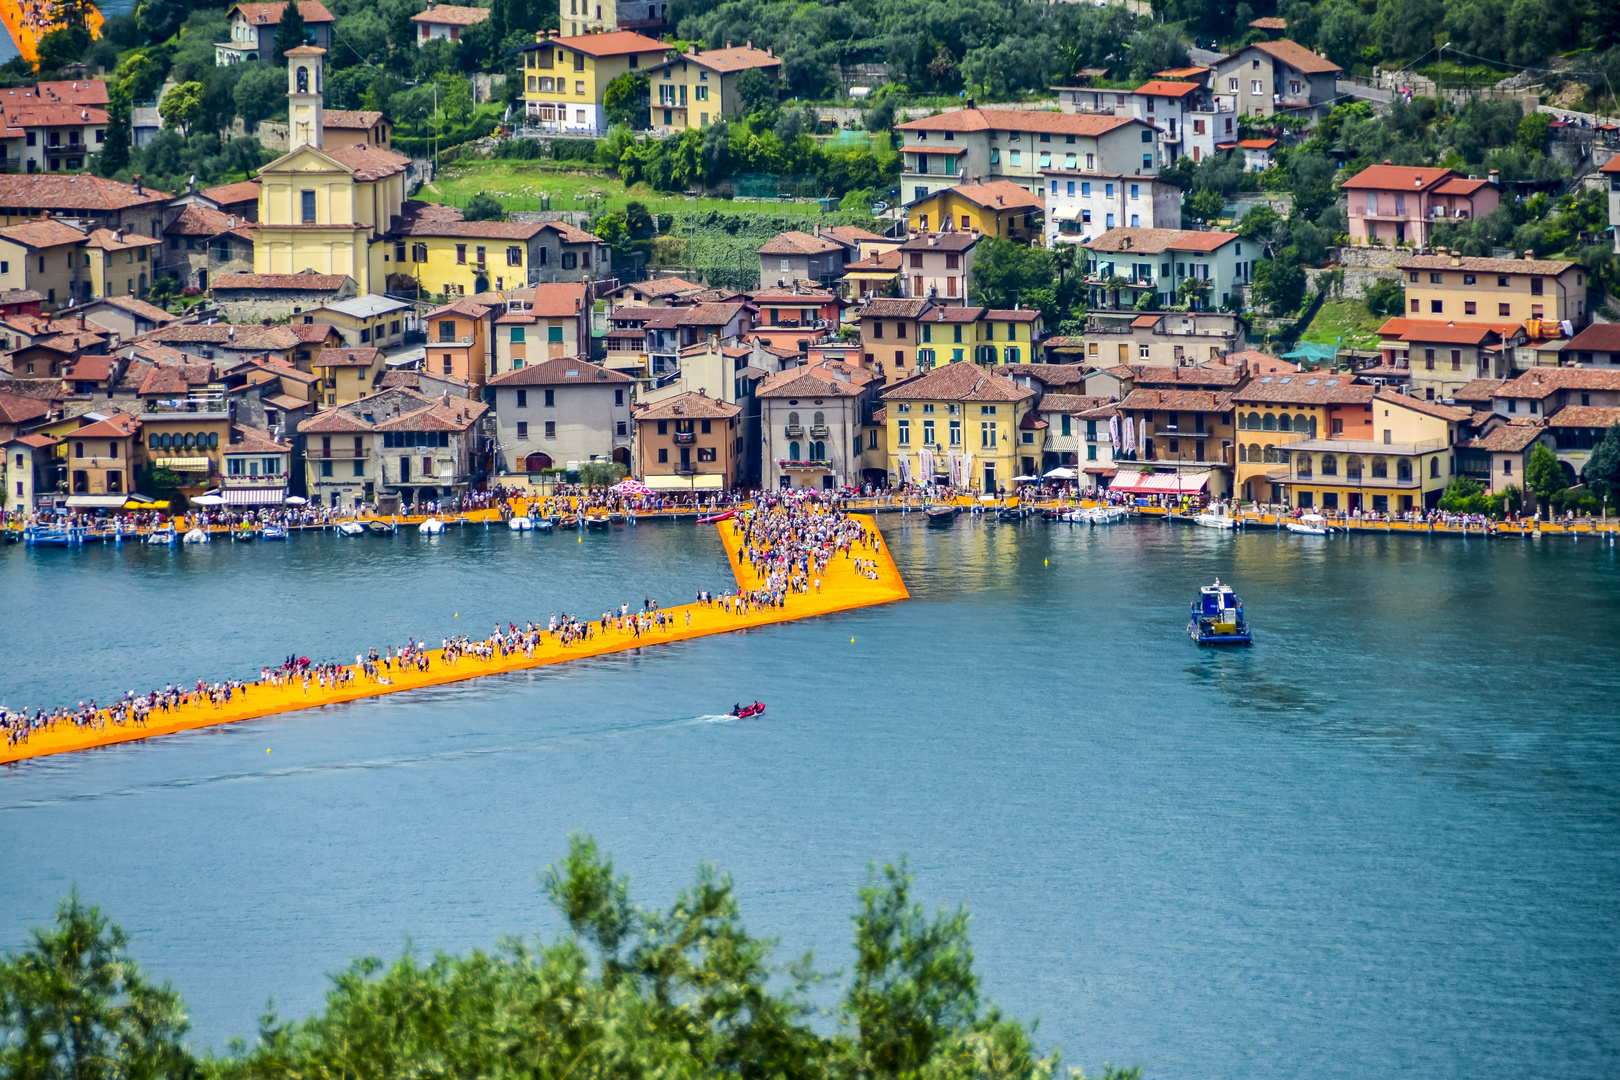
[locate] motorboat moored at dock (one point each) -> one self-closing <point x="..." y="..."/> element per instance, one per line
<point x="431" y="527"/>
<point x="1214" y="521"/>
<point x="350" y="528"/>
<point x="1217" y="617"/>
<point x="382" y="528"/>
<point x="941" y="515"/>
<point x="724" y="515"/>
<point x="272" y="532"/>
<point x="519" y="524"/>
<point x="1310" y="524"/>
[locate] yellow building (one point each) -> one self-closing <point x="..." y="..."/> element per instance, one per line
<point x="1273" y="413"/>
<point x="458" y="341"/>
<point x="697" y="88"/>
<point x="434" y="255"/>
<point x="891" y="335"/>
<point x="1011" y="336"/>
<point x="100" y="457"/>
<point x="961" y="411"/>
<point x="348" y="374"/>
<point x="950" y="334"/>
<point x="118" y="262"/>
<point x="1405" y="467"/>
<point x="1458" y="288"/>
<point x="44" y="255"/>
<point x="999" y="208"/>
<point x="565" y="78"/>
<point x="323" y="209"/>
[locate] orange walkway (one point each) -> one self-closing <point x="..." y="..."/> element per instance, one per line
<point x="842" y="589"/>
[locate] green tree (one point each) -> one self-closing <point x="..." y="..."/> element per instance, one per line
<point x="181" y="106"/>
<point x="1543" y="475"/>
<point x="73" y="1006"/>
<point x="289" y="32"/>
<point x="1602" y="471"/>
<point x="260" y="93"/>
<point x="60" y="47"/>
<point x="1279" y="283"/>
<point x="625" y="100"/>
<point x="1386" y="296"/>
<point x="1205" y="204"/>
<point x="1005" y="272"/>
<point x="601" y="474"/>
<point x="484" y="207"/>
<point x="755" y="90"/>
<point x="1464" y="496"/>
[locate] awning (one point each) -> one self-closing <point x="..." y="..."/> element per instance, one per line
<point x="1100" y="470"/>
<point x="110" y="502"/>
<point x="1165" y="483"/>
<point x="1066" y="213"/>
<point x="693" y="482"/>
<point x="254" y="496"/>
<point x="183" y="464"/>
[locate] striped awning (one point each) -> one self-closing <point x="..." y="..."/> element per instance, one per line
<point x="254" y="496"/>
<point x="182" y="464"/>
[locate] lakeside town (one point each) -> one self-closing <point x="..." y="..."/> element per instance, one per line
<point x="349" y="347"/>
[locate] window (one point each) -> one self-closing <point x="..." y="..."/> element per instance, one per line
<point x="1428" y="359"/>
<point x="1437" y="279"/>
<point x="1470" y="308"/>
<point x="1456" y="359"/>
<point x="523" y="399"/>
<point x="903" y="433"/>
<point x="1535" y="286"/>
<point x="517" y="335"/>
<point x="1504" y="310"/>
<point x="308" y="200"/>
<point x="461" y="254"/>
<point x="987" y="433"/>
<point x="419" y="253"/>
<point x="514" y="256"/>
<point x="523" y="429"/>
<point x="551" y="429"/>
<point x="551" y="399"/>
<point x="663" y="452"/>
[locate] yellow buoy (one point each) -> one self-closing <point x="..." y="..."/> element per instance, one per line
<point x="267" y="749"/>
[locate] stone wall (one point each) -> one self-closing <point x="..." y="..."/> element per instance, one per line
<point x="1376" y="258"/>
<point x="1353" y="282"/>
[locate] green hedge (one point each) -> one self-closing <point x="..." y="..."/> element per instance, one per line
<point x="423" y="146"/>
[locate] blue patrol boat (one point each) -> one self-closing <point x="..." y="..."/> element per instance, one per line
<point x="1217" y="617"/>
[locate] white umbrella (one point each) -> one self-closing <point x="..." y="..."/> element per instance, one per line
<point x="295" y="500"/>
<point x="1025" y="479"/>
<point x="1060" y="473"/>
<point x="208" y="500"/>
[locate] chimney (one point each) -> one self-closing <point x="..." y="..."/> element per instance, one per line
<point x="1529" y="254"/>
<point x="1456" y="259"/>
<point x="81" y="320"/>
<point x="770" y="50"/>
<point x="1495" y="178"/>
<point x="446" y="401"/>
<point x="139" y="190"/>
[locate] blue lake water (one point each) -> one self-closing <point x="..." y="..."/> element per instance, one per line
<point x="1383" y="840"/>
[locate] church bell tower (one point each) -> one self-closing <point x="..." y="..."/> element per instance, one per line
<point x="304" y="87"/>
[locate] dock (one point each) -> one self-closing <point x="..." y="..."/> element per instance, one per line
<point x="843" y="588"/>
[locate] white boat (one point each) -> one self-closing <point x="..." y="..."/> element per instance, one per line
<point x="544" y="524"/>
<point x="161" y="536"/>
<point x="1105" y="515"/>
<point x="1214" y="521"/>
<point x="431" y="527"/>
<point x="351" y="528"/>
<point x="1310" y="524"/>
<point x="198" y="536"/>
<point x="520" y="524"/>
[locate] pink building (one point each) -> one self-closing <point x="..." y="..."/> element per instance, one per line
<point x="1395" y="203"/>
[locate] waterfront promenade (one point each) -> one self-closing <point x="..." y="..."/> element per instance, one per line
<point x="842" y="588"/>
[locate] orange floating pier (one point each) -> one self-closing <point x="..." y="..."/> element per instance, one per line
<point x="843" y="588"/>
<point x="29" y="20"/>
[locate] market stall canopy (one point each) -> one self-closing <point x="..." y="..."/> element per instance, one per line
<point x="1152" y="483"/>
<point x="295" y="500"/>
<point x="208" y="500"/>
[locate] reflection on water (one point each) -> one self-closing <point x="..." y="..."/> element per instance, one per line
<point x="1381" y="840"/>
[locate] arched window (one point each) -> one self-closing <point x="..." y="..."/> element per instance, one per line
<point x="820" y="420"/>
<point x="303" y="80"/>
<point x="213" y="440"/>
<point x="1304" y="466"/>
<point x="1303" y="424"/>
<point x="1330" y="465"/>
<point x="1403" y="469"/>
<point x="1255" y="454"/>
<point x="1269" y="423"/>
<point x="78" y="449"/>
<point x="793" y="419"/>
<point x="1352" y="468"/>
<point x="152" y="442"/>
<point x="1254" y="421"/>
<point x="1283" y="423"/>
<point x="1380" y="469"/>
<point x="1243" y="453"/>
<point x="1434" y="467"/>
<point x="793" y="450"/>
<point x="190" y="440"/>
<point x="818" y="450"/>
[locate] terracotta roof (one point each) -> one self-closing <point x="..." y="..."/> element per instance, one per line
<point x="1458" y="186"/>
<point x="17" y="410"/>
<point x="466" y="306"/>
<point x="1551" y="267"/>
<point x="1539" y="383"/>
<point x="997" y="194"/>
<point x="1054" y="374"/>
<point x="1448" y="332"/>
<point x="270" y="14"/>
<point x="688" y="406"/>
<point x="794" y="242"/>
<point x="1073" y="403"/>
<point x="73" y="92"/>
<point x="1296" y="56"/>
<point x="77" y="191"/>
<point x="826" y="379"/>
<point x="883" y="261"/>
<point x="1586" y="416"/>
<point x="246" y="440"/>
<point x="459" y="415"/>
<point x="44" y="233"/>
<point x="1398" y="178"/>
<point x="658" y="287"/>
<point x="964" y="381"/>
<point x="561" y="371"/>
<point x="1432" y="408"/>
<point x="345" y="357"/>
<point x="951" y="241"/>
<point x="725" y="61"/>
<point x="1600" y="337"/>
<point x="226" y="194"/>
<point x="303" y="282"/>
<point x="571" y="234"/>
<point x="1019" y="120"/>
<point x="1146" y="321"/>
<point x="1511" y="438"/>
<point x="853" y="234"/>
<point x="162" y="380"/>
<point x="139" y="308"/>
<point x="470" y="230"/>
<point x="1024" y="315"/>
<point x="1153" y="241"/>
<point x="953" y="313"/>
<point x="1181" y="73"/>
<point x="1269" y="22"/>
<point x="1178" y="400"/>
<point x="617" y="43"/>
<point x="788" y="298"/>
<point x="119" y="240"/>
<point x="115" y="426"/>
<point x="1211" y="375"/>
<point x="1612" y="165"/>
<point x="451" y="15"/>
<point x="246" y="338"/>
<point x="1257" y="144"/>
<point x="37" y="441"/>
<point x="1158" y="88"/>
<point x="1033" y="422"/>
<point x="312" y="333"/>
<point x="19" y="118"/>
<point x="710" y="314"/>
<point x="333" y="422"/>
<point x="354" y="119"/>
<point x="368" y="162"/>
<point x="1477" y="390"/>
<point x="892" y="308"/>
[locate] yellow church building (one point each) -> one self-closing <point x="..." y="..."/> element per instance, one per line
<point x="323" y="209"/>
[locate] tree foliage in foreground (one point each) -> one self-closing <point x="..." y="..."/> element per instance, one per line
<point x="624" y="993"/>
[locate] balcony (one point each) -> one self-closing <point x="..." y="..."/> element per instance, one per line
<point x="343" y="452"/>
<point x="685" y="438"/>
<point x="254" y="479"/>
<point x="819" y="431"/>
<point x="813" y="465"/>
<point x="686" y="468"/>
<point x="794" y="431"/>
<point x="172" y="407"/>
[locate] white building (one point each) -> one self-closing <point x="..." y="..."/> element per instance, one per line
<point x="446" y="22"/>
<point x="1080" y="205"/>
<point x="1124" y="263"/>
<point x="1611" y="172"/>
<point x="52" y="138"/>
<point x="814" y="425"/>
<point x="560" y="411"/>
